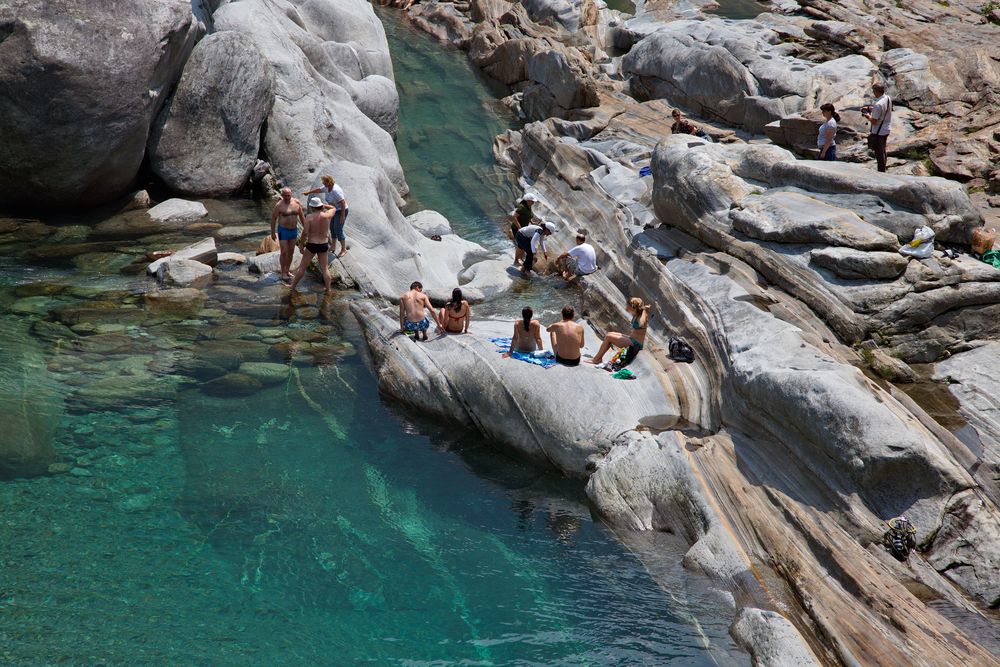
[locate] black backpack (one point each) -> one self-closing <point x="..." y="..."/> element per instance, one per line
<point x="678" y="350"/>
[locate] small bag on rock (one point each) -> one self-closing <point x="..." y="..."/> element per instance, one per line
<point x="267" y="245"/>
<point x="678" y="350"/>
<point x="983" y="240"/>
<point x="922" y="245"/>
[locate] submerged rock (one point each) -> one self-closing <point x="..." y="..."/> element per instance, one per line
<point x="207" y="137"/>
<point x="175" y="210"/>
<point x="31" y="405"/>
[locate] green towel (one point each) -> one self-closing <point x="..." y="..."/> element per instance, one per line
<point x="623" y="374"/>
<point x="992" y="257"/>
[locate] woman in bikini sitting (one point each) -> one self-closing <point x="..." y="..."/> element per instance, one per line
<point x="633" y="342"/>
<point x="454" y="317"/>
<point x="527" y="334"/>
<point x="316" y="240"/>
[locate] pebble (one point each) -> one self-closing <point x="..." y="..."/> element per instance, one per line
<point x="59" y="468"/>
<point x="79" y="472"/>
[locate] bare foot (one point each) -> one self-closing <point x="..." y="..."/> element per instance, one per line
<point x="593" y="361"/>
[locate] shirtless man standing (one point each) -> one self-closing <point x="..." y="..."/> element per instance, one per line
<point x="286" y="215"/>
<point x="315" y="241"/>
<point x="567" y="338"/>
<point x="411" y="311"/>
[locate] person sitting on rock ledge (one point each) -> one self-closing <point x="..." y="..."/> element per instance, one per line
<point x="454" y="317"/>
<point x="682" y="125"/>
<point x="334" y="199"/>
<point x="412" y="305"/>
<point x="522" y="217"/>
<point x="315" y="241"/>
<point x="633" y="343"/>
<point x="567" y="338"/>
<point x="530" y="239"/>
<point x="527" y="334"/>
<point x="580" y="260"/>
<point x="285" y="217"/>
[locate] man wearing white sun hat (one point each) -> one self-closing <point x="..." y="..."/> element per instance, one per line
<point x="530" y="239"/>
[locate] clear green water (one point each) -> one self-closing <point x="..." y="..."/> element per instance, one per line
<point x="448" y="117"/>
<point x="199" y="518"/>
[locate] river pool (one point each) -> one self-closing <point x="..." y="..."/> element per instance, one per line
<point x="231" y="489"/>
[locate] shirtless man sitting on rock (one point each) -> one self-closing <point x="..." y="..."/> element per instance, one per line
<point x="567" y="338"/>
<point x="286" y="215"/>
<point x="411" y="311"/>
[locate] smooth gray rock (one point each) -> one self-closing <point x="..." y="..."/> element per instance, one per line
<point x="857" y="265"/>
<point x="270" y="262"/>
<point x="183" y="272"/>
<point x="430" y="223"/>
<point x="464" y="378"/>
<point x="646" y="483"/>
<point x="80" y="84"/>
<point x="771" y="639"/>
<point x="738" y="71"/>
<point x="974" y="379"/>
<point x="203" y="251"/>
<point x="206" y="140"/>
<point x="317" y="118"/>
<point x="31" y="405"/>
<point x="790" y="217"/>
<point x="177" y="210"/>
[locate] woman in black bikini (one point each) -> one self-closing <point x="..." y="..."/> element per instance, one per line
<point x="454" y="317"/>
<point x="316" y="240"/>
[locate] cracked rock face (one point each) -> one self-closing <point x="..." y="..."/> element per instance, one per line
<point x="80" y="85"/>
<point x="826" y="233"/>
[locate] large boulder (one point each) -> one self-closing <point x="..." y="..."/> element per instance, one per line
<point x="738" y="71"/>
<point x="319" y="113"/>
<point x="30" y="406"/>
<point x="80" y="83"/>
<point x="207" y="138"/>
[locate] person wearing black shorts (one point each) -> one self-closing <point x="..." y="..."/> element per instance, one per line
<point x="315" y="241"/>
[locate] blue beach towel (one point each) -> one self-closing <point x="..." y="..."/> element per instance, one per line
<point x="646" y="171"/>
<point x="541" y="358"/>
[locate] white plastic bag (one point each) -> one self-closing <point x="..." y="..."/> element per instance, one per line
<point x="922" y="245"/>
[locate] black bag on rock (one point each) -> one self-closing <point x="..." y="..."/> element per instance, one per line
<point x="679" y="350"/>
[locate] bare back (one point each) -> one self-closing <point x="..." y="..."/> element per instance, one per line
<point x="316" y="228"/>
<point x="530" y="340"/>
<point x="567" y="339"/>
<point x="413" y="303"/>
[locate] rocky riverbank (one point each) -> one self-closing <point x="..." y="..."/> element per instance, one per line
<point x="774" y="455"/>
<point x="770" y="265"/>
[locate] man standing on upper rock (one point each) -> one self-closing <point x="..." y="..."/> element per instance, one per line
<point x="286" y="216"/>
<point x="880" y="116"/>
<point x="411" y="311"/>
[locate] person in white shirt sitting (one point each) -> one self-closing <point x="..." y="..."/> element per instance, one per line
<point x="580" y="260"/>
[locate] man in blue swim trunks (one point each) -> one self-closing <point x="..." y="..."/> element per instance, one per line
<point x="411" y="311"/>
<point x="284" y="220"/>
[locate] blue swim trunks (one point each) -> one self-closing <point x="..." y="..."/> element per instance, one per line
<point x="337" y="225"/>
<point x="286" y="234"/>
<point x="416" y="326"/>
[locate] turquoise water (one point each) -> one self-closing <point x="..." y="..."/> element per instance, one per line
<point x="448" y="117"/>
<point x="231" y="489"/>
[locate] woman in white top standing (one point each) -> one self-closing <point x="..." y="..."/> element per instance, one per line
<point x="827" y="139"/>
<point x="333" y="196"/>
